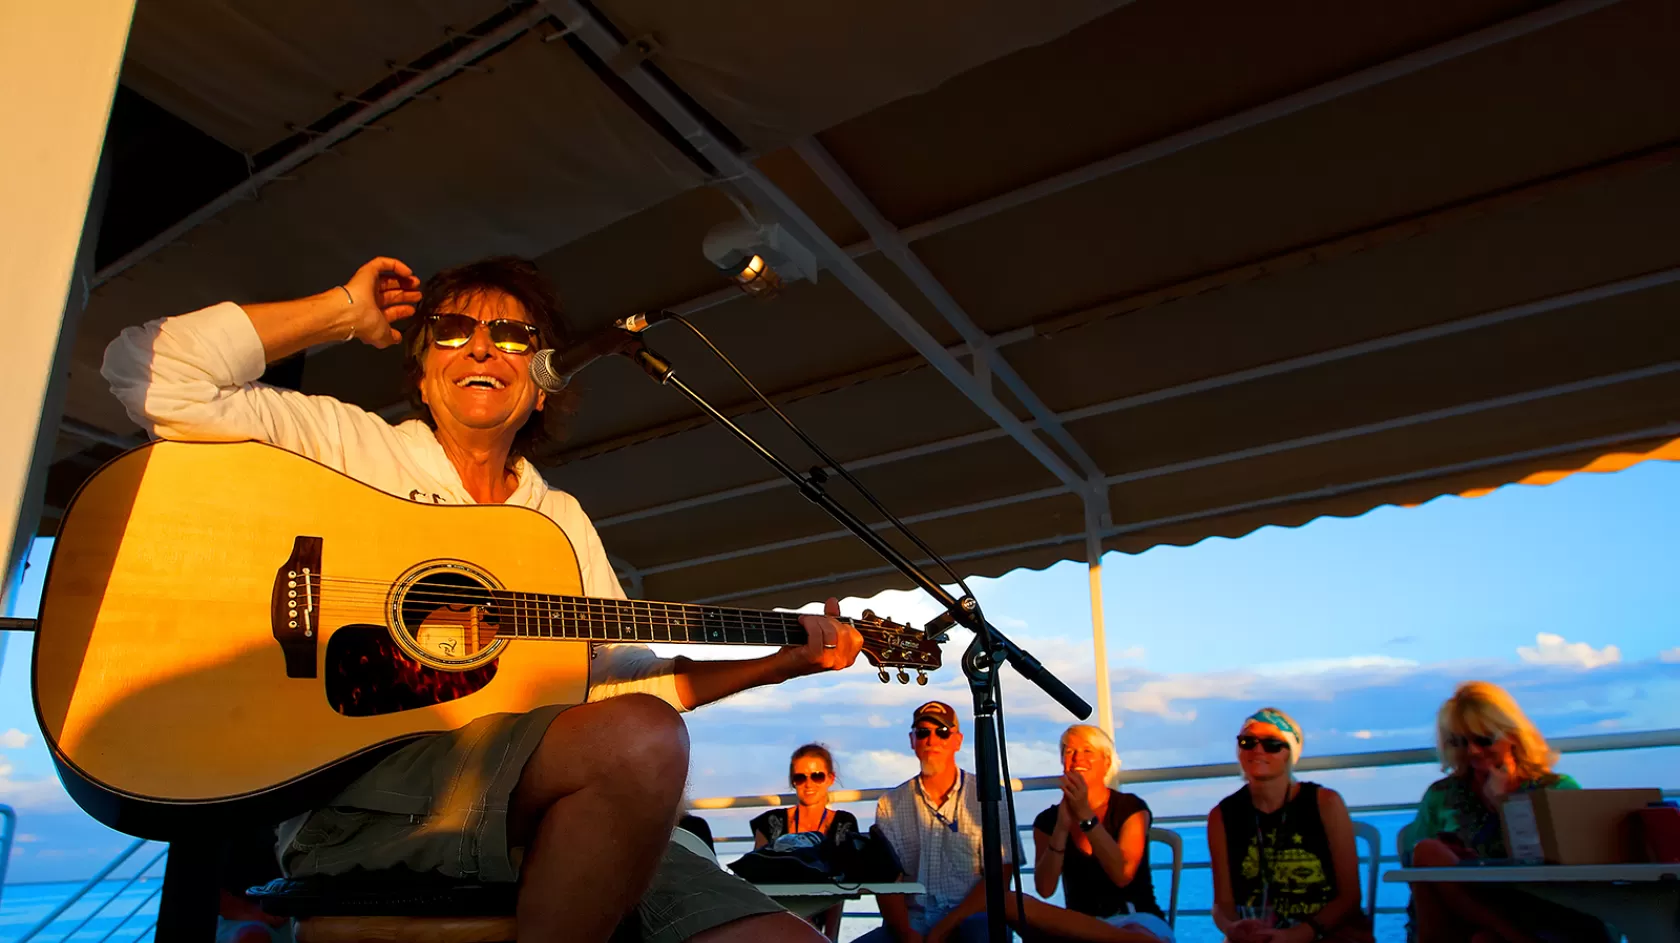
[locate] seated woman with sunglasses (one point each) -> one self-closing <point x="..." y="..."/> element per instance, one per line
<point x="1096" y="840"/>
<point x="811" y="773"/>
<point x="1285" y="869"/>
<point x="1490" y="750"/>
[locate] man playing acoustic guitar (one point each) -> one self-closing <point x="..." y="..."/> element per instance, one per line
<point x="576" y="802"/>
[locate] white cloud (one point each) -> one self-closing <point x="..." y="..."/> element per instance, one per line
<point x="32" y="795"/>
<point x="879" y="767"/>
<point x="14" y="739"/>
<point x="1134" y="653"/>
<point x="1552" y="649"/>
<point x="1672" y="656"/>
<point x="1361" y="735"/>
<point x="26" y="838"/>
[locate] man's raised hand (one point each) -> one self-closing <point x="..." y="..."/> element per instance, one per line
<point x="382" y="291"/>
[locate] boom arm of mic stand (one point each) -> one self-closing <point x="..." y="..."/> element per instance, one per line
<point x="965" y="612"/>
<point x="980" y="664"/>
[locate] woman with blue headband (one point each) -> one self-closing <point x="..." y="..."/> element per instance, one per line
<point x="1285" y="869"/>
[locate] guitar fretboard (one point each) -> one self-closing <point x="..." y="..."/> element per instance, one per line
<point x="581" y="618"/>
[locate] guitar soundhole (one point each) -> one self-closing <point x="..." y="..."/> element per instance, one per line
<point x="367" y="674"/>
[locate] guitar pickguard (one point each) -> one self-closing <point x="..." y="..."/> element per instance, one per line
<point x="367" y="674"/>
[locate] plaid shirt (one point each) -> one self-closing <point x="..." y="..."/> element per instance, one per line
<point x="938" y="847"/>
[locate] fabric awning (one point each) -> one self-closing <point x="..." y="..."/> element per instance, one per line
<point x="1261" y="263"/>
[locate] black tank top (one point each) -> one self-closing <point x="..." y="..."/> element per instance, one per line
<point x="1085" y="885"/>
<point x="1279" y="858"/>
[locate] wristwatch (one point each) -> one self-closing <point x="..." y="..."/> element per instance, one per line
<point x="1086" y="825"/>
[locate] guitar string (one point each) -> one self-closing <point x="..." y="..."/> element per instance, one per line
<point x="620" y="621"/>
<point x="372" y="591"/>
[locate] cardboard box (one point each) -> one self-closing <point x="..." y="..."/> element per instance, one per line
<point x="1575" y="826"/>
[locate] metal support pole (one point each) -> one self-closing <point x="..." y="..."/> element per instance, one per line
<point x="1099" y="641"/>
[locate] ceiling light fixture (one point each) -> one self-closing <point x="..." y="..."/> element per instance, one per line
<point x="759" y="258"/>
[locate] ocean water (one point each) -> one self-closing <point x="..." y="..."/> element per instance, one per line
<point x="125" y="916"/>
<point x="128" y="916"/>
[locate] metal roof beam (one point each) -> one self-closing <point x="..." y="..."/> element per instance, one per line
<point x="1410" y="227"/>
<point x="1329" y="491"/>
<point x="739" y="175"/>
<point x="888" y="239"/>
<point x="1210" y="461"/>
<point x="1485" y="319"/>
<point x="322" y="142"/>
<point x="1248" y="118"/>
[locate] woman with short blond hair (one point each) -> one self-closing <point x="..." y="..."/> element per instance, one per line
<point x="1095" y="841"/>
<point x="1490" y="750"/>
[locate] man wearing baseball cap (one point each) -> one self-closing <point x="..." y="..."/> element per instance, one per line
<point x="932" y="822"/>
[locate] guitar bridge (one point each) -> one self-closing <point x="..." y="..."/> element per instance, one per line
<point x="296" y="606"/>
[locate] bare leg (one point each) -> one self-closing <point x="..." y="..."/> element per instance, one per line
<point x="762" y="927"/>
<point x="1064" y="924"/>
<point x="594" y="809"/>
<point x="1453" y="911"/>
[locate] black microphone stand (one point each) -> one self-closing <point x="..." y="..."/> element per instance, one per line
<point x="985" y="655"/>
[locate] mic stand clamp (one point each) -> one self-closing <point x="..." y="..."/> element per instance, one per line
<point x="984" y="655"/>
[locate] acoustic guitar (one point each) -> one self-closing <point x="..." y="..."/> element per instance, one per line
<point x="232" y="628"/>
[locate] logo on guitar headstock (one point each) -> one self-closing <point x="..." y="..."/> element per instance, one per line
<point x="887" y="644"/>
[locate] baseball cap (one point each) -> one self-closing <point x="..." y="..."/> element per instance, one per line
<point x="937" y="711"/>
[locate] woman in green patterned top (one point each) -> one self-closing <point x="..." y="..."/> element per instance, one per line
<point x="1490" y="750"/>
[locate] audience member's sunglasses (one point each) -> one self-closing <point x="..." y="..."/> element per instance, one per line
<point x="510" y="336"/>
<point x="818" y="778"/>
<point x="1460" y="741"/>
<point x="922" y="733"/>
<point x="1269" y="744"/>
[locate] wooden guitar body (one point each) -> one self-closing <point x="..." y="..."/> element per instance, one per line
<point x="169" y="678"/>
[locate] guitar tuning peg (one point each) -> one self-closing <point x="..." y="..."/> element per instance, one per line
<point x="869" y="613"/>
<point x="921" y="677"/>
<point x="885" y="678"/>
<point x="903" y="676"/>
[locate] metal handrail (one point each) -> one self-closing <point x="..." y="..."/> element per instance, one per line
<point x="10" y="818"/>
<point x="1584" y="744"/>
<point x="130" y="916"/>
<point x="118" y="893"/>
<point x="82" y="891"/>
<point x="1597" y="743"/>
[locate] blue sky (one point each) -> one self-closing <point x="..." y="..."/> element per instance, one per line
<point x="1568" y="594"/>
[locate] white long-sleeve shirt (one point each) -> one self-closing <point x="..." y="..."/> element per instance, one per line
<point x="194" y="377"/>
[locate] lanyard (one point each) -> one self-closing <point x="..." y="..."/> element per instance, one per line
<point x="956" y="811"/>
<point x="820" y="822"/>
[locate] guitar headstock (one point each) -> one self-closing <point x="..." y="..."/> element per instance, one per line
<point x="888" y="644"/>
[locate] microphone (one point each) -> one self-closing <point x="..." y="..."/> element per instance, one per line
<point x="552" y="370"/>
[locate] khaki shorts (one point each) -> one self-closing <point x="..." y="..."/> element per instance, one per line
<point x="441" y="804"/>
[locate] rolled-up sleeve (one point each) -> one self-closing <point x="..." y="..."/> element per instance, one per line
<point x="633" y="669"/>
<point x="194" y="377"/>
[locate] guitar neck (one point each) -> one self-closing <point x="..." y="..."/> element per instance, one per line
<point x="588" y="619"/>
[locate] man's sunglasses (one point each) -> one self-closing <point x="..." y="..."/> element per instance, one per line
<point x="1460" y="741"/>
<point x="1269" y="744"/>
<point x="922" y="733"/>
<point x="450" y="331"/>
<point x="818" y="778"/>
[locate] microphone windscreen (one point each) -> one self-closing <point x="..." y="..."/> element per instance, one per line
<point x="543" y="373"/>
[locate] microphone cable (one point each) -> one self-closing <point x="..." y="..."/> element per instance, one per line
<point x="996" y="680"/>
<point x="821" y="454"/>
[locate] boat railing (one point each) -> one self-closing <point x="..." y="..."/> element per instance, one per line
<point x="8" y="821"/>
<point x="1347" y="761"/>
<point x="1598" y="743"/>
<point x="150" y="871"/>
